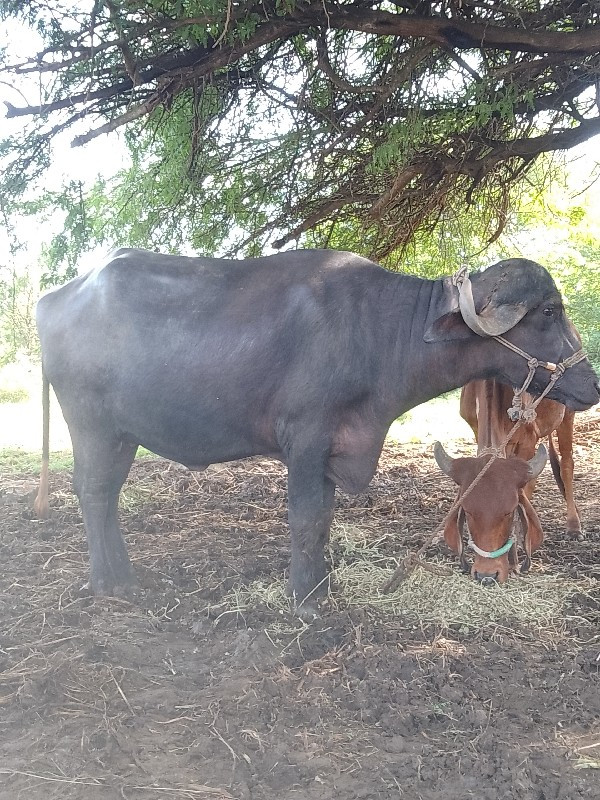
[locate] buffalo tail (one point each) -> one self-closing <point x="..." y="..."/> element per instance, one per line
<point x="40" y="504"/>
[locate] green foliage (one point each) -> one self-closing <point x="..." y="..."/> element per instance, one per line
<point x="560" y="228"/>
<point x="17" y="323"/>
<point x="173" y="197"/>
<point x="494" y="101"/>
<point x="582" y="288"/>
<point x="578" y="277"/>
<point x="17" y="296"/>
<point x="253" y="123"/>
<point x="286" y="122"/>
<point x="13" y="395"/>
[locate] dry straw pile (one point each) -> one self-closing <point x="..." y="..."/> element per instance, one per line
<point x="535" y="600"/>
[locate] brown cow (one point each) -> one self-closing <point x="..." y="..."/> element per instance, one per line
<point x="488" y="511"/>
<point x="484" y="405"/>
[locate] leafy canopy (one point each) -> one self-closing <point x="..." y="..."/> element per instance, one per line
<point x="354" y="122"/>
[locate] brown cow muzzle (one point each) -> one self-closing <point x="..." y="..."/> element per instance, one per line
<point x="490" y="571"/>
<point x="485" y="579"/>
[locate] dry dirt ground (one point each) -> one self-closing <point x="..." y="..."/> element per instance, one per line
<point x="192" y="691"/>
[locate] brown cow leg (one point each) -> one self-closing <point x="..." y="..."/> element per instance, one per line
<point x="564" y="434"/>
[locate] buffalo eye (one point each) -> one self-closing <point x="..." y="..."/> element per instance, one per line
<point x="549" y="311"/>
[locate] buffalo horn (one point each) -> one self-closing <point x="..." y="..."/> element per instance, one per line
<point x="493" y="321"/>
<point x="444" y="461"/>
<point x="537" y="462"/>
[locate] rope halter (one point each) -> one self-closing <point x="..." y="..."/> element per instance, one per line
<point x="527" y="413"/>
<point x="493" y="553"/>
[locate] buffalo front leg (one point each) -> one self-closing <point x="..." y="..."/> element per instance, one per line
<point x="310" y="512"/>
<point x="100" y="469"/>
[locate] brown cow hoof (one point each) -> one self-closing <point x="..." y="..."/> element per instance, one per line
<point x="576" y="535"/>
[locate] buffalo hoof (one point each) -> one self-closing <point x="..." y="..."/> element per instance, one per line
<point x="123" y="589"/>
<point x="308" y="611"/>
<point x="307" y="605"/>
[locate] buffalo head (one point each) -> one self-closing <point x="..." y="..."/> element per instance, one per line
<point x="518" y="300"/>
<point x="489" y="510"/>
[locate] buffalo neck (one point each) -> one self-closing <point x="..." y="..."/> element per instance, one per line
<point x="418" y="370"/>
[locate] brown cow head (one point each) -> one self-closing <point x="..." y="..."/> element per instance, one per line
<point x="488" y="511"/>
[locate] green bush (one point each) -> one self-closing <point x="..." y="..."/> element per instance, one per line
<point x="13" y="395"/>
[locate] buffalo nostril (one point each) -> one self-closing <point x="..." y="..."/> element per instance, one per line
<point x="486" y="580"/>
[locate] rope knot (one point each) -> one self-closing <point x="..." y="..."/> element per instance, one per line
<point x="495" y="452"/>
<point x="518" y="413"/>
<point x="528" y="414"/>
<point x="515" y="411"/>
<point x="459" y="276"/>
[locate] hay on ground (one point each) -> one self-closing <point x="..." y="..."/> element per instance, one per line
<point x="533" y="600"/>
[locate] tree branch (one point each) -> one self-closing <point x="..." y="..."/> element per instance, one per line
<point x="132" y="114"/>
<point x="457" y="33"/>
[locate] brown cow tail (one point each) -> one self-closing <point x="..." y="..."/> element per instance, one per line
<point x="41" y="505"/>
<point x="555" y="464"/>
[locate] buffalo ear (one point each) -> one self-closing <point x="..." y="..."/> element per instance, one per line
<point x="447" y="328"/>
<point x="444" y="321"/>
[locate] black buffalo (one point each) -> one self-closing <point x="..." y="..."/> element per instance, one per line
<point x="305" y="356"/>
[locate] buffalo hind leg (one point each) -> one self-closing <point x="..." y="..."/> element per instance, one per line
<point x="310" y="512"/>
<point x="100" y="469"/>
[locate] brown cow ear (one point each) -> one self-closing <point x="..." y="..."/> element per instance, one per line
<point x="452" y="532"/>
<point x="534" y="535"/>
